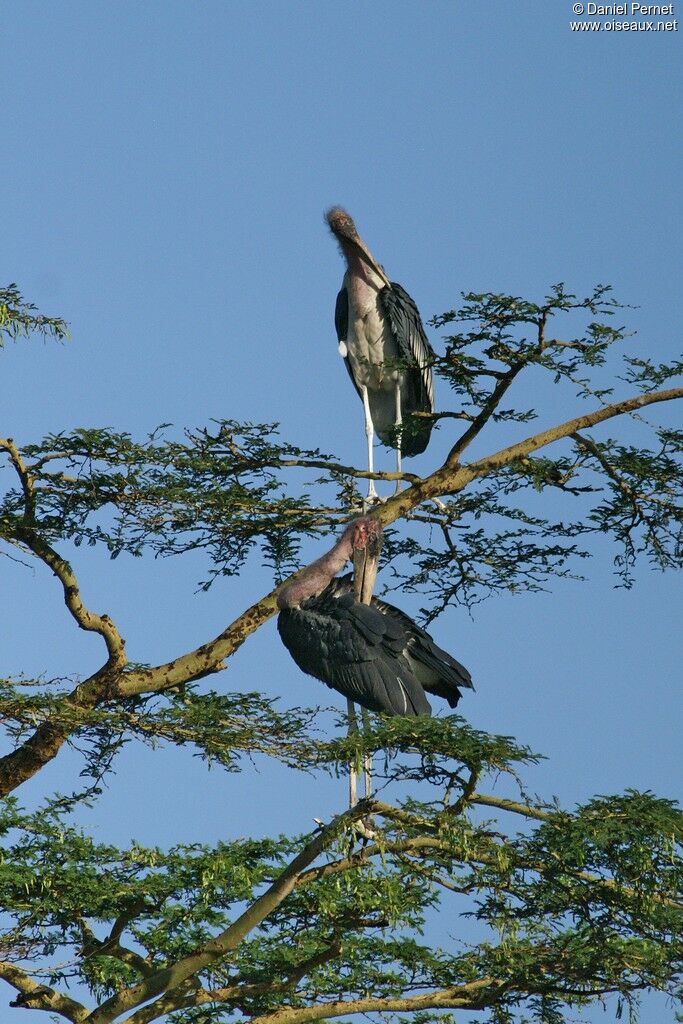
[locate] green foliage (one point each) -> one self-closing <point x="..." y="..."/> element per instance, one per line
<point x="506" y="331"/>
<point x="566" y="907"/>
<point x="428" y="750"/>
<point x="216" y="492"/>
<point x="573" y="905"/>
<point x="19" y="319"/>
<point x="641" y="504"/>
<point x="221" y="728"/>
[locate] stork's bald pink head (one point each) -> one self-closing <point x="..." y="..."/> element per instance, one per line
<point x="361" y="535"/>
<point x="365" y="532"/>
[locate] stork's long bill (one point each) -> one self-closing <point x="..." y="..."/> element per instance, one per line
<point x="366" y="549"/>
<point x="351" y="244"/>
<point x="360" y="542"/>
<point x="364" y="648"/>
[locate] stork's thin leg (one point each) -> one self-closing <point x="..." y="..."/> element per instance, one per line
<point x="353" y="777"/>
<point x="367" y="759"/>
<point x="370" y="435"/>
<point x="399" y="425"/>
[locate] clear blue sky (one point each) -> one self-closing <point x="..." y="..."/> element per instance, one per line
<point x="164" y="174"/>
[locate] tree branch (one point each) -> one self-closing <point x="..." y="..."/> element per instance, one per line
<point x="35" y="996"/>
<point x="204" y="660"/>
<point x="87" y="620"/>
<point x="516" y="451"/>
<point x="510" y="805"/>
<point x="374" y="850"/>
<point x="335" y="467"/>
<point x="194" y="995"/>
<point x="589" y="446"/>
<point x="44" y="744"/>
<point x="479" y="421"/>
<point x="174" y="976"/>
<point x="27" y="535"/>
<point x="24" y="476"/>
<point x="471" y="996"/>
<point x="111" y="946"/>
<point x="453" y="478"/>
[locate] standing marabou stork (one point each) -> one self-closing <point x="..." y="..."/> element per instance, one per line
<point x="362" y="647"/>
<point x="385" y="348"/>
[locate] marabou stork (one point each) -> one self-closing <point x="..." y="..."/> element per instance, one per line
<point x="385" y="348"/>
<point x="362" y="647"/>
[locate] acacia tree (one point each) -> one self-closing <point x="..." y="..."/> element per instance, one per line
<point x="571" y="905"/>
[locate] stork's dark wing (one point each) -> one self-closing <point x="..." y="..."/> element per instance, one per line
<point x="406" y="325"/>
<point x="418" y="356"/>
<point x="341" y="323"/>
<point x="355" y="650"/>
<point x="435" y="669"/>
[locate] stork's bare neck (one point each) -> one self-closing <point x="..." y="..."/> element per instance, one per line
<point x="364" y="272"/>
<point x="312" y="581"/>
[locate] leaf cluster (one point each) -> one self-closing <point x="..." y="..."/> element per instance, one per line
<point x="502" y="334"/>
<point x="212" y="491"/>
<point x="20" y="319"/>
<point x="221" y="728"/>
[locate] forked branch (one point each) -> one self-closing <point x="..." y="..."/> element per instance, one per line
<point x="174" y="976"/>
<point x="35" y="996"/>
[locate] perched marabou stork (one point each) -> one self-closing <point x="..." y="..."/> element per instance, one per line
<point x="362" y="647"/>
<point x="385" y="348"/>
<point x="372" y="653"/>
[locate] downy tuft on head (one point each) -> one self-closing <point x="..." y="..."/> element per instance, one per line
<point x="341" y="223"/>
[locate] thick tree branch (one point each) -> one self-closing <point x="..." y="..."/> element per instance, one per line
<point x="34" y="996"/>
<point x="204" y="660"/>
<point x="27" y="535"/>
<point x="472" y="996"/>
<point x="176" y="999"/>
<point x="43" y="745"/>
<point x="87" y="620"/>
<point x="510" y="805"/>
<point x="24" y="476"/>
<point x="482" y="418"/>
<point x="174" y="976"/>
<point x="451" y="479"/>
<point x="517" y="451"/>
<point x="236" y="993"/>
<point x="111" y="946"/>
